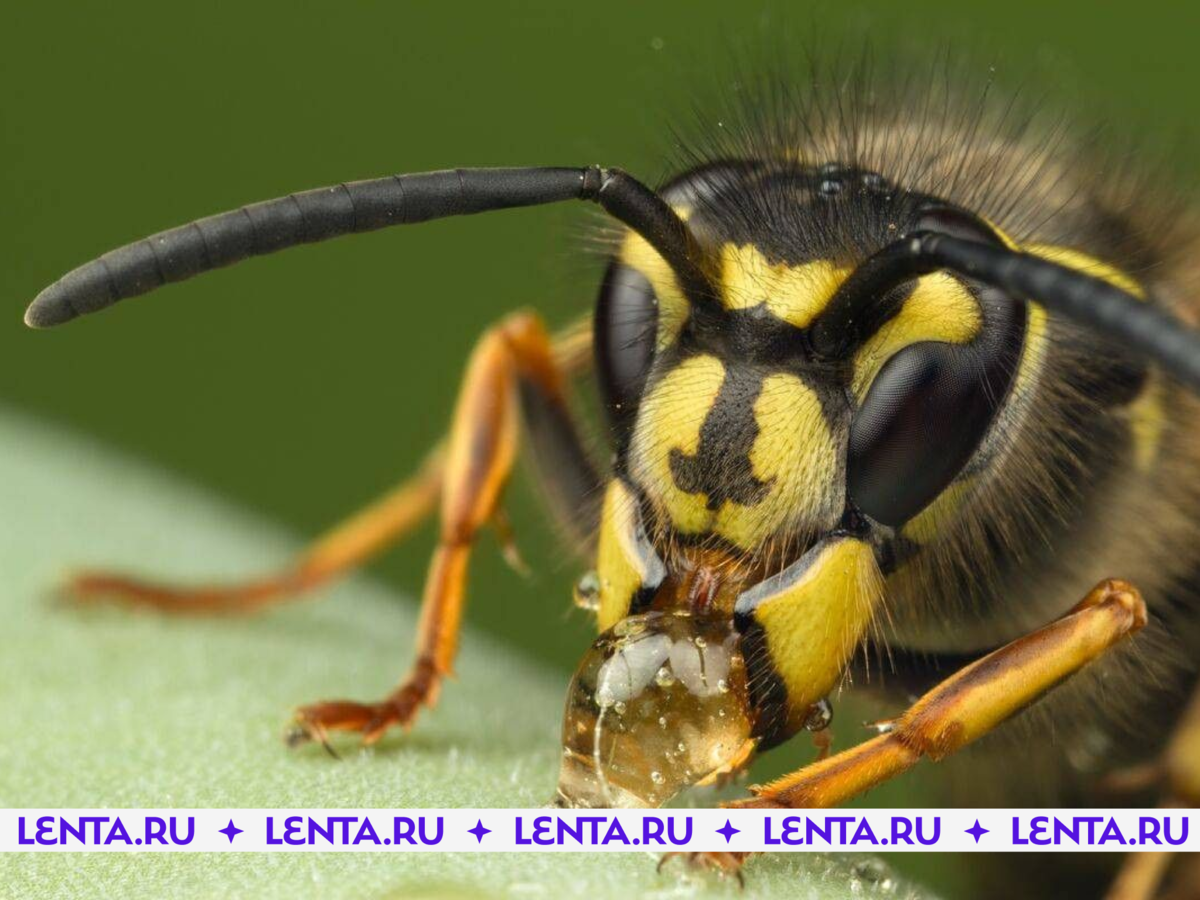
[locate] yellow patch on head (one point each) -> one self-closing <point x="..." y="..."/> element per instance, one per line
<point x="925" y="525"/>
<point x="618" y="564"/>
<point x="794" y="453"/>
<point x="673" y="306"/>
<point x="670" y="418"/>
<point x="795" y="294"/>
<point x="940" y="308"/>
<point x="1147" y="422"/>
<point x="813" y="624"/>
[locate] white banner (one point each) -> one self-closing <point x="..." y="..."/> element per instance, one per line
<point x="516" y="830"/>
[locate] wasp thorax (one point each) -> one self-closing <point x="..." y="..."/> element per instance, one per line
<point x="659" y="703"/>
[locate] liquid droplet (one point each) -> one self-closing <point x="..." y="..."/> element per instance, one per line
<point x="657" y="777"/>
<point x="723" y="686"/>
<point x="587" y="591"/>
<point x="820" y="714"/>
<point x="664" y="678"/>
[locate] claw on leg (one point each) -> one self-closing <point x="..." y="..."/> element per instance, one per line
<point x="372" y="720"/>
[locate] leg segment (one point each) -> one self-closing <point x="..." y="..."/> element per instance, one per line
<point x="513" y="363"/>
<point x="346" y="546"/>
<point x="562" y="465"/>
<point x="1178" y="776"/>
<point x="967" y="705"/>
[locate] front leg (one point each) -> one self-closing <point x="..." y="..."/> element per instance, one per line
<point x="967" y="705"/>
<point x="513" y="369"/>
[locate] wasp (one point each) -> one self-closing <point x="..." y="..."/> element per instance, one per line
<point x="897" y="380"/>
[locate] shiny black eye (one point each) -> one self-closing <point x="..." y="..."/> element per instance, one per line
<point x="931" y="404"/>
<point x="625" y="330"/>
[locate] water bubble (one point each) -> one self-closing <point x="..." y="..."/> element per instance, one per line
<point x="722" y="685"/>
<point x="820" y="714"/>
<point x="681" y="747"/>
<point x="700" y="642"/>
<point x="587" y="591"/>
<point x="619" y="707"/>
<point x="662" y="721"/>
<point x="664" y="678"/>
<point x="657" y="777"/>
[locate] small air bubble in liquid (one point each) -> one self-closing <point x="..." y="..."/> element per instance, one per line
<point x="662" y="721"/>
<point x="657" y="778"/>
<point x="700" y="642"/>
<point x="619" y="707"/>
<point x="681" y="747"/>
<point x="664" y="678"/>
<point x="723" y="686"/>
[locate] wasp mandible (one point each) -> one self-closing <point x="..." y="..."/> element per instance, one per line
<point x="876" y="384"/>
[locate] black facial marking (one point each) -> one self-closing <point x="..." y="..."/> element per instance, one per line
<point x="720" y="468"/>
<point x="768" y="695"/>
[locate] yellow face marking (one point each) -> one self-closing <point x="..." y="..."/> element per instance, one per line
<point x="673" y="308"/>
<point x="670" y="418"/>
<point x="813" y="625"/>
<point x="795" y="294"/>
<point x="1147" y="421"/>
<point x="940" y="308"/>
<point x="925" y="525"/>
<point x="794" y="452"/>
<point x="618" y="564"/>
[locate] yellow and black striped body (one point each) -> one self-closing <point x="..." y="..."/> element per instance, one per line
<point x="733" y="436"/>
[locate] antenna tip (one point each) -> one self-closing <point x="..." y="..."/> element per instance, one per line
<point x="49" y="308"/>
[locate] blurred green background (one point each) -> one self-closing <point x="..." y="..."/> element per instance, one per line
<point x="304" y="384"/>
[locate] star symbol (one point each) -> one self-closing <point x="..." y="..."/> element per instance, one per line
<point x="977" y="831"/>
<point x="479" y="831"/>
<point x="231" y="831"/>
<point x="729" y="831"/>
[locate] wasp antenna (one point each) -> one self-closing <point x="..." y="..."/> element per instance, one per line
<point x="349" y="208"/>
<point x="1144" y="329"/>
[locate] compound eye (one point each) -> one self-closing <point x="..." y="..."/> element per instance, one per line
<point x="931" y="404"/>
<point x="921" y="421"/>
<point x="625" y="330"/>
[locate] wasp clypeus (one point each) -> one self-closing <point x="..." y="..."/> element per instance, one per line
<point x="883" y="380"/>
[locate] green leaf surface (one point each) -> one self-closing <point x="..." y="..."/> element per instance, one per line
<point x="112" y="708"/>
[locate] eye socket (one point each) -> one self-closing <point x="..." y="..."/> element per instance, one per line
<point x="625" y="329"/>
<point x="931" y="404"/>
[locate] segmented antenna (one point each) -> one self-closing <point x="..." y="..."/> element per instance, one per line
<point x="350" y="208"/>
<point x="1144" y="329"/>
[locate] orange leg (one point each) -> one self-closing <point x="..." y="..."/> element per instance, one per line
<point x="967" y="705"/>
<point x="345" y="547"/>
<point x="516" y="356"/>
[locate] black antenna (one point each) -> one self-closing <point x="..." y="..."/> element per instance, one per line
<point x="353" y="207"/>
<point x="1144" y="329"/>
